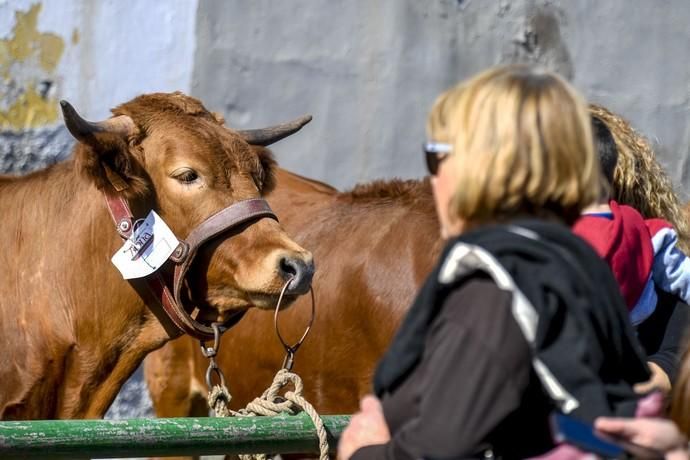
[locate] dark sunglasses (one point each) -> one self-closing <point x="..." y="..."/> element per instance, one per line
<point x="434" y="154"/>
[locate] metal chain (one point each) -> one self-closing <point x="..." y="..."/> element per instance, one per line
<point x="218" y="396"/>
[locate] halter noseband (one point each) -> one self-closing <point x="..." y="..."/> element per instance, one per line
<point x="234" y="215"/>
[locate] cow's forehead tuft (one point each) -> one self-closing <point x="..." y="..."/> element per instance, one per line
<point x="147" y="109"/>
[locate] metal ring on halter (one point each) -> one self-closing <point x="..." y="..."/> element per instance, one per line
<point x="290" y="350"/>
<point x="209" y="352"/>
<point x="213" y="367"/>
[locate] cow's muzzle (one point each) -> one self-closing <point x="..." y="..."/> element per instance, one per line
<point x="299" y="272"/>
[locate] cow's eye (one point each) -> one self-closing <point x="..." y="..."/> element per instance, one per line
<point x="185" y="175"/>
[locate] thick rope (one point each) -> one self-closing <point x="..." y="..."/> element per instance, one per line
<point x="219" y="400"/>
<point x="270" y="403"/>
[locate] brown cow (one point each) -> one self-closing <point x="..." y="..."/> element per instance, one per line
<point x="71" y="329"/>
<point x="373" y="246"/>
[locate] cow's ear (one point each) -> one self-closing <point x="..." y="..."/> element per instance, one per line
<point x="266" y="177"/>
<point x="105" y="153"/>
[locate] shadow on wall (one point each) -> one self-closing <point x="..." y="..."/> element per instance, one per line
<point x="133" y="401"/>
<point x="542" y="43"/>
<point x="23" y="152"/>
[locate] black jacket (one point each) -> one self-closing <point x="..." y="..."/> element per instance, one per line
<point x="664" y="334"/>
<point x="561" y="317"/>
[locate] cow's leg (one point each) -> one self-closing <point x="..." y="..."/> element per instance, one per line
<point x="170" y="379"/>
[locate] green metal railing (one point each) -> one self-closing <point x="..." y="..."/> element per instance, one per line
<point x="165" y="437"/>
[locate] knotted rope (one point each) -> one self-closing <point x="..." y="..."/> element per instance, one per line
<point x="271" y="403"/>
<point x="219" y="400"/>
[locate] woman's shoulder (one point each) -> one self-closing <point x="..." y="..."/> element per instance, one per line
<point x="478" y="304"/>
<point x="481" y="311"/>
<point x="476" y="287"/>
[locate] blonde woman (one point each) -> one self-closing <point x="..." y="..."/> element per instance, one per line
<point x="519" y="317"/>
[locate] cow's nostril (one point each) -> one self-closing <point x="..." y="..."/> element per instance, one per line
<point x="300" y="272"/>
<point x="287" y="268"/>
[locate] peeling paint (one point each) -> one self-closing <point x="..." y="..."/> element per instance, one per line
<point x="30" y="109"/>
<point x="28" y="60"/>
<point x="27" y="41"/>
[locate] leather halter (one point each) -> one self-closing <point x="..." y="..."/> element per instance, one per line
<point x="183" y="256"/>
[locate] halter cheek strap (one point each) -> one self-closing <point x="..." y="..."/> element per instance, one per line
<point x="231" y="217"/>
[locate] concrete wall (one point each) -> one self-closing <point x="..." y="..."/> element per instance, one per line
<point x="96" y="54"/>
<point x="368" y="70"/>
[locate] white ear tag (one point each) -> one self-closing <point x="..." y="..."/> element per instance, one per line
<point x="150" y="245"/>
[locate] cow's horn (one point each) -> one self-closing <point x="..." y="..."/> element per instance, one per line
<point x="80" y="128"/>
<point x="267" y="136"/>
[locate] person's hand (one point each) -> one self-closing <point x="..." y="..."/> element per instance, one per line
<point x="367" y="427"/>
<point x="655" y="433"/>
<point x="651" y="405"/>
<point x="658" y="381"/>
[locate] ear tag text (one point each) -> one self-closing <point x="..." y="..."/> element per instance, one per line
<point x="151" y="244"/>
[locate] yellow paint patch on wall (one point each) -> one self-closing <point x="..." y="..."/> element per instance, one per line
<point x="29" y="110"/>
<point x="22" y="33"/>
<point x="27" y="40"/>
<point x="50" y="51"/>
<point x="41" y="53"/>
<point x="4" y="57"/>
<point x="75" y="36"/>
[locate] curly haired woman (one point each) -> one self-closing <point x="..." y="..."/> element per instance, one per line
<point x="644" y="253"/>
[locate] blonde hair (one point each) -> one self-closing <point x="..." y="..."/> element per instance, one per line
<point x="639" y="180"/>
<point x="522" y="145"/>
